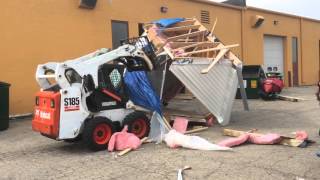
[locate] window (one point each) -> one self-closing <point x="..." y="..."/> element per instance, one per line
<point x="89" y="4"/>
<point x="119" y="32"/>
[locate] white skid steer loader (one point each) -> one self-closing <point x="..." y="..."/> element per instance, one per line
<point x="85" y="98"/>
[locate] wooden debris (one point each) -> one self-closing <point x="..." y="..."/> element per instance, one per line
<point x="190" y="39"/>
<point x="196" y="130"/>
<point x="184" y="96"/>
<point x="167" y="124"/>
<point x="289" y="98"/>
<point x="210" y="49"/>
<point x="121" y="153"/>
<point x="214" y="26"/>
<point x="216" y="59"/>
<point x="175" y="112"/>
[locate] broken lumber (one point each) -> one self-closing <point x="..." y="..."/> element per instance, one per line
<point x="181" y="28"/>
<point x="216" y="59"/>
<point x="185" y="35"/>
<point x="206" y="43"/>
<point x="210" y="49"/>
<point x="287" y="141"/>
<point x="214" y="26"/>
<point x="196" y="130"/>
<point x="166" y="123"/>
<point x="184" y="97"/>
<point x="121" y="153"/>
<point x="289" y="98"/>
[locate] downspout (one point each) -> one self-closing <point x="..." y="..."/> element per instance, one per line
<point x="242" y="35"/>
<point x="301" y="54"/>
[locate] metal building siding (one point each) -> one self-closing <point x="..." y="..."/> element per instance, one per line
<point x="215" y="90"/>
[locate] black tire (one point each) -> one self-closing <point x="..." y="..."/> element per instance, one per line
<point x="97" y="133"/>
<point x="138" y="123"/>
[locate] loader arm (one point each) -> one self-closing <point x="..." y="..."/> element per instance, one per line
<point x="88" y="64"/>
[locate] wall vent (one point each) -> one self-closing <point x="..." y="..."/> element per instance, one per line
<point x="205" y="17"/>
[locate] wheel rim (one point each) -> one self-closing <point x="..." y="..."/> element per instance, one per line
<point x="102" y="134"/>
<point x="139" y="127"/>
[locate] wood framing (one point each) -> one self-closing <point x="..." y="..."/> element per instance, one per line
<point x="189" y="39"/>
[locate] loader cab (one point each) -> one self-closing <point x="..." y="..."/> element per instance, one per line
<point x="110" y="93"/>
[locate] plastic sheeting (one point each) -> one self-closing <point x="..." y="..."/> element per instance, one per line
<point x="141" y="92"/>
<point x="157" y="130"/>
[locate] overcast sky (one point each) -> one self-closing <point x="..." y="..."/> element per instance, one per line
<point x="306" y="8"/>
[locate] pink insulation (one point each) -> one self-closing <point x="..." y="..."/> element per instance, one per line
<point x="231" y="142"/>
<point x="123" y="140"/>
<point x="180" y="124"/>
<point x="301" y="135"/>
<point x="252" y="138"/>
<point x="265" y="139"/>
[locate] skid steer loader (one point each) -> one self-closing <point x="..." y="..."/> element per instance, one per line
<point x="85" y="98"/>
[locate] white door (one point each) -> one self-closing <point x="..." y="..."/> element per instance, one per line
<point x="273" y="54"/>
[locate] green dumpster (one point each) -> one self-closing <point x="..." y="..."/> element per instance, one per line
<point x="4" y="106"/>
<point x="253" y="76"/>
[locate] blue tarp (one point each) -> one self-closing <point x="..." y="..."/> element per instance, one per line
<point x="141" y="92"/>
<point x="168" y="22"/>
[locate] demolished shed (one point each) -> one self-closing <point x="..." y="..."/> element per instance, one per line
<point x="204" y="65"/>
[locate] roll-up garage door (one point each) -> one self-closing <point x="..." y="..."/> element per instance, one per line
<point x="273" y="54"/>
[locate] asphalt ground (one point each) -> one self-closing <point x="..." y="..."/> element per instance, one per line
<point x="25" y="154"/>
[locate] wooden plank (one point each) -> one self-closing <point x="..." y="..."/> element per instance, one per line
<point x="287" y="141"/>
<point x="179" y="112"/>
<point x="206" y="43"/>
<point x="175" y="45"/>
<point x="188" y="36"/>
<point x="167" y="124"/>
<point x="121" y="153"/>
<point x="192" y="57"/>
<point x="196" y="130"/>
<point x="185" y="35"/>
<point x="187" y="40"/>
<point x="289" y="98"/>
<point x="214" y="26"/>
<point x="180" y="28"/>
<point x="235" y="60"/>
<point x="210" y="49"/>
<point x="216" y="59"/>
<point x="168" y="51"/>
<point x="184" y="96"/>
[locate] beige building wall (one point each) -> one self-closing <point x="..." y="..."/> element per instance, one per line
<point x="39" y="31"/>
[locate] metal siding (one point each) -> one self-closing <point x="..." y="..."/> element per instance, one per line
<point x="215" y="90"/>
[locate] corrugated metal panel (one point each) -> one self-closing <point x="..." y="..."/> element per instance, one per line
<point x="215" y="90"/>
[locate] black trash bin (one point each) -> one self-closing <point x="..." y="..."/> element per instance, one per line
<point x="4" y="106"/>
<point x="253" y="75"/>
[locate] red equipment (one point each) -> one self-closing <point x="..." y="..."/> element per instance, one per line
<point x="272" y="85"/>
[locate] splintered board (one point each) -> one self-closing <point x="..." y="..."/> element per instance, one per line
<point x="189" y="39"/>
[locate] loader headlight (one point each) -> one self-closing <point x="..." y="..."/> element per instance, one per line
<point x="52" y="103"/>
<point x="37" y="101"/>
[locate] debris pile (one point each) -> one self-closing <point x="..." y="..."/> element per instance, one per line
<point x="186" y="54"/>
